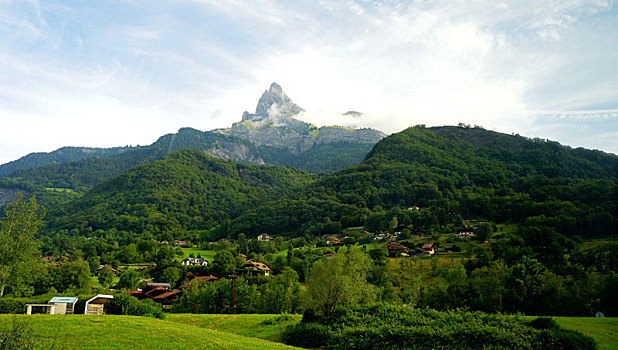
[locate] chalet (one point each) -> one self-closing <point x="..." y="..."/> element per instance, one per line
<point x="156" y="288"/>
<point x="201" y="278"/>
<point x="94" y="305"/>
<point x="328" y="254"/>
<point x="428" y="249"/>
<point x="264" y="237"/>
<point x="194" y="262"/>
<point x="138" y="294"/>
<point x="256" y="268"/>
<point x="396" y="249"/>
<point x="179" y="242"/>
<point x="242" y="256"/>
<point x="167" y="298"/>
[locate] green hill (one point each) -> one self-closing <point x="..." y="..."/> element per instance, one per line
<point x="468" y="172"/>
<point x="186" y="191"/>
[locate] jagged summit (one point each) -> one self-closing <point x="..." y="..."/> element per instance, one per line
<point x="274" y="105"/>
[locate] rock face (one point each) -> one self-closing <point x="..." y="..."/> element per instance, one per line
<point x="273" y="124"/>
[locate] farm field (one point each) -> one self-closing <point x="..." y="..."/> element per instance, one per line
<point x="126" y="332"/>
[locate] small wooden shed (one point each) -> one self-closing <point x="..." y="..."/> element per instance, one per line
<point x="94" y="305"/>
<point x="63" y="305"/>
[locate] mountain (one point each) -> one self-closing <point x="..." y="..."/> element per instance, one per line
<point x="269" y="136"/>
<point x="457" y="172"/>
<point x="188" y="190"/>
<point x="61" y="155"/>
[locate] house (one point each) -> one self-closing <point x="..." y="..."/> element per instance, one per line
<point x="396" y="249"/>
<point x="156" y="288"/>
<point x="328" y="254"/>
<point x="465" y="234"/>
<point x="201" y="278"/>
<point x="167" y="298"/>
<point x="257" y="268"/>
<point x="264" y="237"/>
<point x="94" y="305"/>
<point x="194" y="262"/>
<point x="333" y="241"/>
<point x="63" y="305"/>
<point x="138" y="294"/>
<point x="428" y="249"/>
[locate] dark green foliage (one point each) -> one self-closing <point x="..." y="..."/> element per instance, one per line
<point x="186" y="191"/>
<point x="12" y="306"/>
<point x="62" y="155"/>
<point x="123" y="304"/>
<point x="394" y="327"/>
<point x="308" y="335"/>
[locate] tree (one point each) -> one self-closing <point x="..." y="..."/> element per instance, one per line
<point x="18" y="248"/>
<point x="106" y="276"/>
<point x="340" y="280"/>
<point x="129" y="280"/>
<point x="224" y="263"/>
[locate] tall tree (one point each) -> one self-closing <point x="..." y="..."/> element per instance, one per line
<point x="340" y="280"/>
<point x="18" y="247"/>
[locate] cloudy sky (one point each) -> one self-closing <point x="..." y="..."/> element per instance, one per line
<point x="113" y="73"/>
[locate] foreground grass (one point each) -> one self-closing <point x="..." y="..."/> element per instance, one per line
<point x="603" y="330"/>
<point x="125" y="332"/>
<point x="268" y="327"/>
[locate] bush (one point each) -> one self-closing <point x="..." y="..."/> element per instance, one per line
<point x="566" y="339"/>
<point x="543" y="323"/>
<point x="11" y="306"/>
<point x="307" y="335"/>
<point x="127" y="305"/>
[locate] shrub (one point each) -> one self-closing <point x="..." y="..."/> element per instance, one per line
<point x="127" y="305"/>
<point x="11" y="306"/>
<point x="307" y="335"/>
<point x="543" y="323"/>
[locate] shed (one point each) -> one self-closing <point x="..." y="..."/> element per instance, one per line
<point x="63" y="305"/>
<point x="94" y="305"/>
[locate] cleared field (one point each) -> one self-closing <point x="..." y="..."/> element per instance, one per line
<point x="268" y="327"/>
<point x="603" y="330"/>
<point x="208" y="254"/>
<point x="130" y="332"/>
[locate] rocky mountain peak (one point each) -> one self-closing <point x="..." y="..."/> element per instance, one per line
<point x="274" y="105"/>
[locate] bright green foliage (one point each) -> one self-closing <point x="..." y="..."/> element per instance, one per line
<point x="18" y="248"/>
<point x="396" y="327"/>
<point x="129" y="280"/>
<point x="106" y="276"/>
<point x="340" y="281"/>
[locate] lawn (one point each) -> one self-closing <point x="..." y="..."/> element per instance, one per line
<point x="603" y="330"/>
<point x="267" y="327"/>
<point x="126" y="332"/>
<point x="208" y="254"/>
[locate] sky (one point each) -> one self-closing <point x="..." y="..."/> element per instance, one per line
<point x="124" y="72"/>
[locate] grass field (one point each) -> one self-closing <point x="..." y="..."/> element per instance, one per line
<point x="603" y="330"/>
<point x="131" y="332"/>
<point x="267" y="327"/>
<point x="208" y="254"/>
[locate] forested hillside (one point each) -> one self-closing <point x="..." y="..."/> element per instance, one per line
<point x="466" y="172"/>
<point x="62" y="155"/>
<point x="186" y="191"/>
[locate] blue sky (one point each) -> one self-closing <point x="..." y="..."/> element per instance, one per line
<point x="113" y="73"/>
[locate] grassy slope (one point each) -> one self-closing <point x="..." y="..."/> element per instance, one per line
<point x="603" y="330"/>
<point x="126" y="332"/>
<point x="268" y="327"/>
